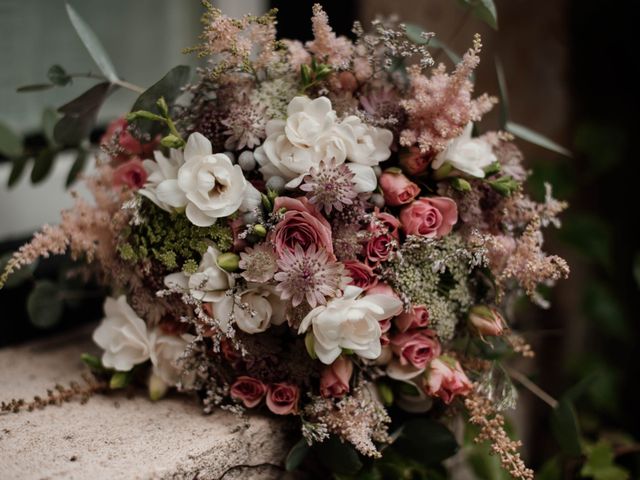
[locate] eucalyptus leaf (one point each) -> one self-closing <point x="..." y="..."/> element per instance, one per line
<point x="536" y="138"/>
<point x="414" y="33"/>
<point x="18" y="277"/>
<point x="58" y="76"/>
<point x="296" y="455"/>
<point x="42" y="165"/>
<point x="93" y="45"/>
<point x="340" y="457"/>
<point x="49" y="119"/>
<point x="485" y="10"/>
<point x="44" y="304"/>
<point x="10" y="142"/>
<point x="36" y="87"/>
<point x="77" y="167"/>
<point x="169" y="88"/>
<point x="565" y="429"/>
<point x="426" y="441"/>
<point x="17" y="168"/>
<point x="503" y="94"/>
<point x="79" y="115"/>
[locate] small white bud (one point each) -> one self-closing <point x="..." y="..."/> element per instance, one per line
<point x="276" y="184"/>
<point x="377" y="200"/>
<point x="246" y="161"/>
<point x="231" y="156"/>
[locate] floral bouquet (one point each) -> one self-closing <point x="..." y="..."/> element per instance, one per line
<point x="314" y="230"/>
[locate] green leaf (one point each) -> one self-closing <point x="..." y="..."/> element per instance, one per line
<point x="58" y="76"/>
<point x="18" y="277"/>
<point x="79" y="115"/>
<point x="340" y="457"/>
<point x="426" y="441"/>
<point x="550" y="470"/>
<point x="93" y="362"/>
<point x="530" y="136"/>
<point x="485" y="10"/>
<point x="168" y="87"/>
<point x="44" y="304"/>
<point x="42" y="165"/>
<point x="36" y="87"/>
<point x="93" y="45"/>
<point x="296" y="455"/>
<point x="503" y="94"/>
<point x="414" y="33"/>
<point x="600" y="463"/>
<point x="10" y="142"/>
<point x="565" y="429"/>
<point x="16" y="170"/>
<point x="49" y="119"/>
<point x="76" y="168"/>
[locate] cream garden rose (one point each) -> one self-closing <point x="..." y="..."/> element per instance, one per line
<point x="260" y="308"/>
<point x="206" y="185"/>
<point x="312" y="134"/>
<point x="469" y="155"/>
<point x="350" y="322"/>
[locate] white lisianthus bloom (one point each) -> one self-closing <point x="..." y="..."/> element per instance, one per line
<point x="469" y="155"/>
<point x="350" y="322"/>
<point x="207" y="185"/>
<point x="312" y="134"/>
<point x="208" y="284"/>
<point x="165" y="351"/>
<point x="260" y="308"/>
<point x="122" y="335"/>
<point x="158" y="171"/>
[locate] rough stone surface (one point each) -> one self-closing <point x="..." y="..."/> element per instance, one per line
<point x="118" y="436"/>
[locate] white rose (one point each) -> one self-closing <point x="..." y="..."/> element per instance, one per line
<point x="469" y="155"/>
<point x="122" y="335"/>
<point x="165" y="352"/>
<point x="350" y="322"/>
<point x="208" y="185"/>
<point x="157" y="172"/>
<point x="208" y="284"/>
<point x="261" y="308"/>
<point x="311" y="133"/>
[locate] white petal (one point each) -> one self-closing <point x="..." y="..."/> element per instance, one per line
<point x="170" y="193"/>
<point x="365" y="178"/>
<point x="197" y="216"/>
<point x="197" y="146"/>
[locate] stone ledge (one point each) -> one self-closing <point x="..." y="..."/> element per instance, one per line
<point x="115" y="436"/>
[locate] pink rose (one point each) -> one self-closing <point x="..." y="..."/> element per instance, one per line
<point x="282" y="398"/>
<point x="131" y="174"/>
<point x="429" y="217"/>
<point x="446" y="379"/>
<point x="118" y="134"/>
<point x="486" y="320"/>
<point x="361" y="274"/>
<point x="302" y="225"/>
<point x="397" y="189"/>
<point x="249" y="390"/>
<point x="384" y="230"/>
<point x="413" y="161"/>
<point x="417" y="317"/>
<point x="334" y="380"/>
<point x="416" y="348"/>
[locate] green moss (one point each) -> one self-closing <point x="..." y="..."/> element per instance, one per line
<point x="171" y="239"/>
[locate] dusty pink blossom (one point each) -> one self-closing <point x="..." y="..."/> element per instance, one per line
<point x="335" y="51"/>
<point x="416" y="348"/>
<point x="417" y="317"/>
<point x="334" y="379"/>
<point x="446" y="379"/>
<point x="397" y="189"/>
<point x="282" y="398"/>
<point x="302" y="225"/>
<point x="259" y="263"/>
<point x="361" y="274"/>
<point x="248" y="390"/>
<point x="131" y="174"/>
<point x="297" y="55"/>
<point x="431" y="217"/>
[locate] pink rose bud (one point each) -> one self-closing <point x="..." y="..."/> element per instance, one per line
<point x="348" y="82"/>
<point x="397" y="189"/>
<point x="416" y="348"/>
<point x="486" y="320"/>
<point x="282" y="398"/>
<point x="429" y="217"/>
<point x="131" y="174"/>
<point x="446" y="379"/>
<point x="413" y="161"/>
<point x="248" y="390"/>
<point x="334" y="380"/>
<point x="417" y="317"/>
<point x="361" y="274"/>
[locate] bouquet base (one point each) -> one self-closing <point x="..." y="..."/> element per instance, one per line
<point x="113" y="436"/>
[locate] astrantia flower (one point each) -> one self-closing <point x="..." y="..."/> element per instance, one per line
<point x="245" y="126"/>
<point x="259" y="263"/>
<point x="330" y="186"/>
<point x="310" y="275"/>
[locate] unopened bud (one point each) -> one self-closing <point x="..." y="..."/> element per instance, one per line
<point x="228" y="261"/>
<point x="486" y="320"/>
<point x="157" y="387"/>
<point x="171" y="141"/>
<point x="259" y="230"/>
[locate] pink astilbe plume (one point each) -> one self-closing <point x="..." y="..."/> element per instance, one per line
<point x="326" y="46"/>
<point x="440" y="106"/>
